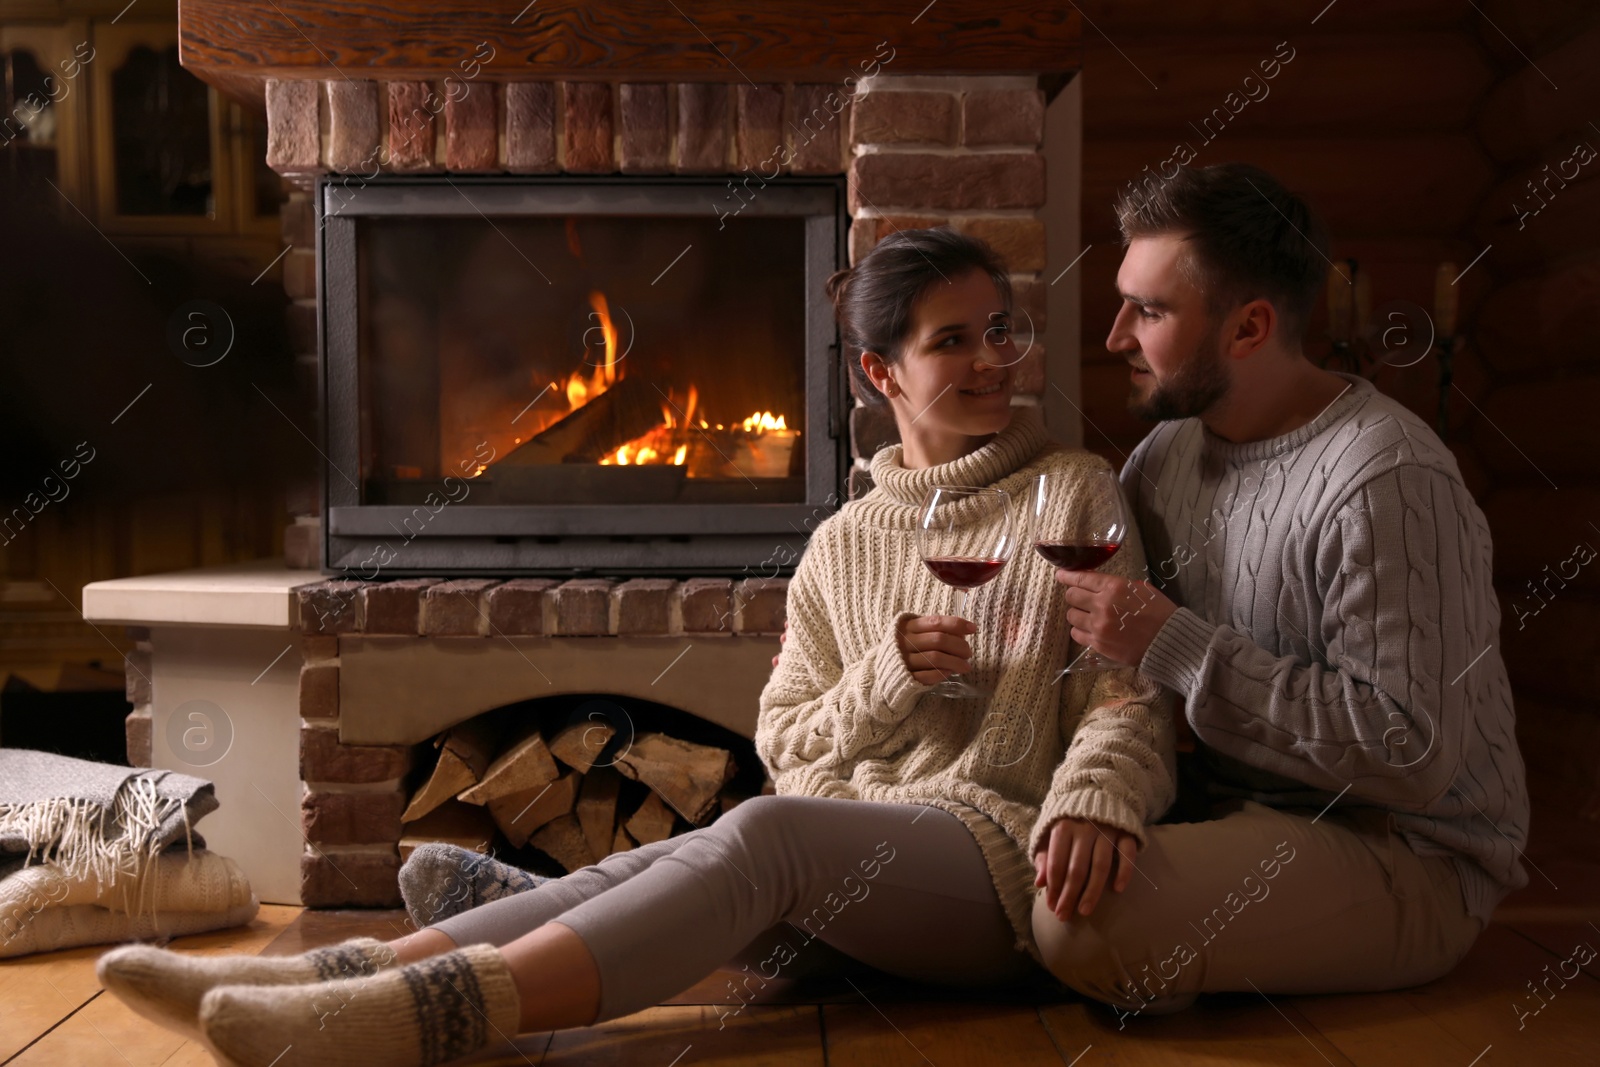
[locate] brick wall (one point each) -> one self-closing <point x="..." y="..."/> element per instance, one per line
<point x="962" y="152"/>
<point x="354" y="794"/>
<point x="352" y="798"/>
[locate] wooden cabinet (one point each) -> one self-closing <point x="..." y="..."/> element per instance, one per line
<point x="160" y="146"/>
<point x="42" y="88"/>
<point x="101" y="120"/>
<point x="100" y="127"/>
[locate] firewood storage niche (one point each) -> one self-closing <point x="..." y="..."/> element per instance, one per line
<point x="559" y="783"/>
<point x="551" y="375"/>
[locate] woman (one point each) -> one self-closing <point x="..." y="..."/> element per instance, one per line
<point x="895" y="813"/>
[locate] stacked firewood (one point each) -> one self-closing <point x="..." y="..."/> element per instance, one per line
<point x="577" y="793"/>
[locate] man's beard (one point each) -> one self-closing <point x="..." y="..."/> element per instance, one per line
<point x="1199" y="382"/>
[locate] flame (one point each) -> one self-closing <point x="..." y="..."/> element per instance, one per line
<point x="608" y="330"/>
<point x="669" y="443"/>
<point x="681" y="421"/>
<point x="762" y="421"/>
<point x="577" y="393"/>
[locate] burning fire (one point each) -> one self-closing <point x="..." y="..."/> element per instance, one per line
<point x="667" y="440"/>
<point x="682" y="423"/>
<point x="578" y="391"/>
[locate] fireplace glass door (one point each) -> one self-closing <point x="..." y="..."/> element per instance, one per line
<point x="551" y="375"/>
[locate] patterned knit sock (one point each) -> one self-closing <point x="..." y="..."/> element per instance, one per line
<point x="428" y="1012"/>
<point x="167" y="986"/>
<point x="440" y="880"/>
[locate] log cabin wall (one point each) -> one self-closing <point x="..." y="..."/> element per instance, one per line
<point x="1539" y="338"/>
<point x="1413" y="127"/>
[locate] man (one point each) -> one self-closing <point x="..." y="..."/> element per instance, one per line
<point x="1321" y="598"/>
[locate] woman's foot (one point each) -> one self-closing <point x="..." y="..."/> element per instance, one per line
<point x="425" y="1013"/>
<point x="166" y="986"/>
<point x="440" y="880"/>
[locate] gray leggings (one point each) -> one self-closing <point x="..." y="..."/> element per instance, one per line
<point x="901" y="887"/>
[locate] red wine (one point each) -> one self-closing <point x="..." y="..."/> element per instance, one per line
<point x="964" y="572"/>
<point x="1077" y="555"/>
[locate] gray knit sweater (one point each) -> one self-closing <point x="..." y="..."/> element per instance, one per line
<point x="1338" y="627"/>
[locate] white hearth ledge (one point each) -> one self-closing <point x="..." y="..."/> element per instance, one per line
<point x="259" y="593"/>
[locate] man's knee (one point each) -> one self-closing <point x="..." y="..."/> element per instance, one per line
<point x="1075" y="951"/>
<point x="1087" y="954"/>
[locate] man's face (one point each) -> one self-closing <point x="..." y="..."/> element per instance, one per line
<point x="1165" y="333"/>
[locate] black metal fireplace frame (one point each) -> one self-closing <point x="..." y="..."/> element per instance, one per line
<point x="365" y="540"/>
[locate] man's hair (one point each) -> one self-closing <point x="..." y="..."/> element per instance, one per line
<point x="1248" y="237"/>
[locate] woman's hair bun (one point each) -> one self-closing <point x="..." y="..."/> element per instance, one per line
<point x="836" y="284"/>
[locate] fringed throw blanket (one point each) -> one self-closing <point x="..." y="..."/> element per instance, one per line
<point x="91" y="852"/>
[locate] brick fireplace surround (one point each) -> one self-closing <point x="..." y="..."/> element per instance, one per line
<point x="919" y="151"/>
<point x="384" y="665"/>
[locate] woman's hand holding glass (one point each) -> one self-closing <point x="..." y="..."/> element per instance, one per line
<point x="935" y="647"/>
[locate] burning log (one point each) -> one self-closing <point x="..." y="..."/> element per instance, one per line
<point x="630" y="408"/>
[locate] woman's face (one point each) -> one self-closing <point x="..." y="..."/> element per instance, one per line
<point x="957" y="368"/>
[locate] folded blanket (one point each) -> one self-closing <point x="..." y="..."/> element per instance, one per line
<point x="92" y="819"/>
<point x="91" y="853"/>
<point x="42" y="908"/>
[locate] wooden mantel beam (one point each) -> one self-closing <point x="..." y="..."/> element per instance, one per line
<point x="237" y="44"/>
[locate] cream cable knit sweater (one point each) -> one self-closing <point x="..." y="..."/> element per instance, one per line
<point x="841" y="715"/>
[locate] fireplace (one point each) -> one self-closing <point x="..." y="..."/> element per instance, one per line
<point x="627" y="375"/>
<point x="581" y="212"/>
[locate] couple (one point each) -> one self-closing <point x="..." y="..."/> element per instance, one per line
<point x="1322" y="612"/>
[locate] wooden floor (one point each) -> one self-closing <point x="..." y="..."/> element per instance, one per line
<point x="53" y="1012"/>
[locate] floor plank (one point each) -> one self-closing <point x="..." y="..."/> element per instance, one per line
<point x="1562" y="859"/>
<point x="1376" y="1028"/>
<point x="39" y="991"/>
<point x="757" y="1036"/>
<point x="867" y="1018"/>
<point x="103" y="1030"/>
<point x="314" y="929"/>
<point x="914" y="1035"/>
<point x="1567" y="941"/>
<point x="1220" y="1029"/>
<point x="1477" y="1004"/>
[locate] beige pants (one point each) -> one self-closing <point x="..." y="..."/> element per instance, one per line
<point x="1265" y="900"/>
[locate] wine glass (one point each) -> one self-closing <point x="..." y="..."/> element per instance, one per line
<point x="965" y="536"/>
<point x="1071" y="532"/>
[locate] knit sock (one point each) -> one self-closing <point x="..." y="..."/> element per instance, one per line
<point x="167" y="986"/>
<point x="440" y="880"/>
<point x="428" y="1012"/>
